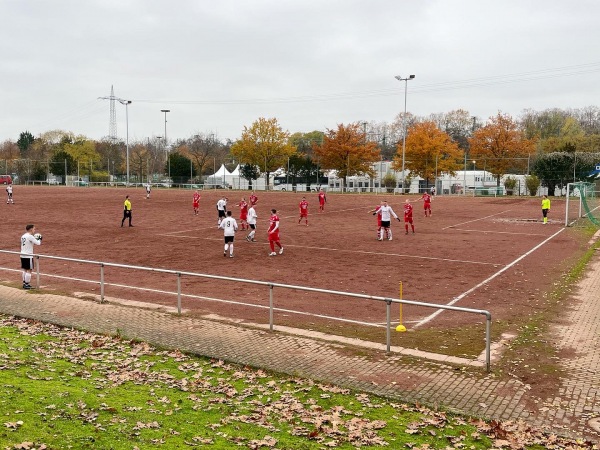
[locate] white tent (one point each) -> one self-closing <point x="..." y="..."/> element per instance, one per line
<point x="233" y="180"/>
<point x="237" y="181"/>
<point x="221" y="176"/>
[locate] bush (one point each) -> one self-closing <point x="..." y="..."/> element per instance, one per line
<point x="100" y="176"/>
<point x="389" y="181"/>
<point x="510" y="183"/>
<point x="533" y="184"/>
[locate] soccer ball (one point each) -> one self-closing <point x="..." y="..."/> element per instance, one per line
<point x="38" y="236"/>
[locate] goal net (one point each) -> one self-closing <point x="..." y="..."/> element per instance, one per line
<point x="583" y="202"/>
<point x="495" y="191"/>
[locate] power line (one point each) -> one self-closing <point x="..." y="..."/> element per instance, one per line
<point x="559" y="72"/>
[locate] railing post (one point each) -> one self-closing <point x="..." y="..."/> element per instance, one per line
<point x="271" y="307"/>
<point x="388" y="315"/>
<point x="179" y="293"/>
<point x="488" y="341"/>
<point x="101" y="282"/>
<point x="37" y="266"/>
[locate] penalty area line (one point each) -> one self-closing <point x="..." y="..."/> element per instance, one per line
<point x="475" y="220"/>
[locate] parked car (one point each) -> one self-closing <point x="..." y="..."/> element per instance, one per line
<point x="5" y="179"/>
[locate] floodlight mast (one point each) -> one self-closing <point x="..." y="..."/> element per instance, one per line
<point x="399" y="78"/>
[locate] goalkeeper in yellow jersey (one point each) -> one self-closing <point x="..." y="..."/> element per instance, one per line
<point x="545" y="208"/>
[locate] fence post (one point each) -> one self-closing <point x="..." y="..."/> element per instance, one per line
<point x="488" y="341"/>
<point x="37" y="266"/>
<point x="101" y="282"/>
<point x="567" y="206"/>
<point x="388" y="308"/>
<point x="179" y="293"/>
<point x="270" y="307"/>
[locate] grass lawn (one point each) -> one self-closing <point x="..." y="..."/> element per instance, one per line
<point x="69" y="389"/>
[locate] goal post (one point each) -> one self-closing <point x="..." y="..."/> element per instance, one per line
<point x="582" y="201"/>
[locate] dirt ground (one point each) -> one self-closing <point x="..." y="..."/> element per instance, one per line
<point x="482" y="253"/>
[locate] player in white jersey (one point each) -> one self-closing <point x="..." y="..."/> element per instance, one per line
<point x="386" y="217"/>
<point x="229" y="226"/>
<point x="9" y="197"/>
<point x="221" y="209"/>
<point x="148" y="189"/>
<point x="28" y="240"/>
<point x="252" y="216"/>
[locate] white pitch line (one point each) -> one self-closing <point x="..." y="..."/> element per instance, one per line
<point x="498" y="232"/>
<point x="364" y="252"/>
<point x="487" y="280"/>
<point x="403" y="255"/>
<point x="475" y="220"/>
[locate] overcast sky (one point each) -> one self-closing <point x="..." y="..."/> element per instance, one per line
<point x="220" y="65"/>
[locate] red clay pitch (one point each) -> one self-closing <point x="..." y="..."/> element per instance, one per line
<point x="452" y="254"/>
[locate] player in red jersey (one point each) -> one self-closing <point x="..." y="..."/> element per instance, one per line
<point x="377" y="212"/>
<point x="196" y="202"/>
<point x="408" y="216"/>
<point x="243" y="213"/>
<point x="274" y="233"/>
<point x="253" y="199"/>
<point x="426" y="203"/>
<point x="303" y="211"/>
<point x="322" y="200"/>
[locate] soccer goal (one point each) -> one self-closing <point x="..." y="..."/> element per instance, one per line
<point x="494" y="191"/>
<point x="582" y="202"/>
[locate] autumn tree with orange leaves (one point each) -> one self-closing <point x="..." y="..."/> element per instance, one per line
<point x="264" y="145"/>
<point x="501" y="145"/>
<point x="429" y="151"/>
<point x="347" y="151"/>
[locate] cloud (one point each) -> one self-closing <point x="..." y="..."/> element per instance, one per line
<point x="220" y="65"/>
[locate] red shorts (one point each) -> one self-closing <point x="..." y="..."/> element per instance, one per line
<point x="274" y="236"/>
<point x="243" y="216"/>
<point x="196" y="205"/>
<point x="408" y="219"/>
<point x="304" y="214"/>
<point x="427" y="205"/>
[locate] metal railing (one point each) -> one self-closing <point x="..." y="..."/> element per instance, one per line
<point x="271" y="286"/>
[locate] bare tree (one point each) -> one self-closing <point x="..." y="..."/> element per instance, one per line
<point x="205" y="151"/>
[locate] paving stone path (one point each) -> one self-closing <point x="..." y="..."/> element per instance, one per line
<point x="456" y="384"/>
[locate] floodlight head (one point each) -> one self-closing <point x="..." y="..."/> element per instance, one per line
<point x="165" y="110"/>
<point x="411" y="77"/>
<point x="398" y="77"/>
